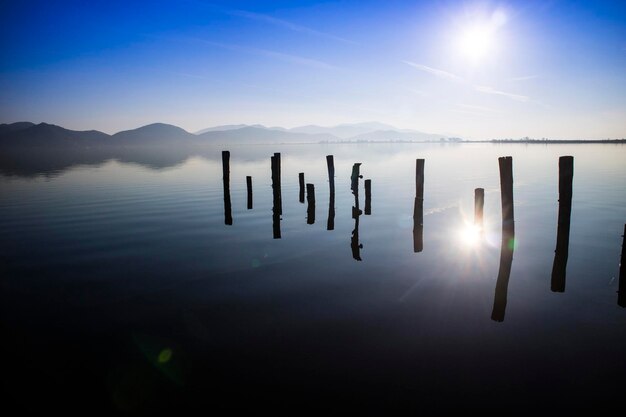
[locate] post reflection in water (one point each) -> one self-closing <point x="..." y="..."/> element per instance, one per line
<point x="566" y="174"/>
<point x="228" y="214"/>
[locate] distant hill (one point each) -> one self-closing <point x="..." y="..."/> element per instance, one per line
<point x="47" y="134"/>
<point x="156" y="132"/>
<point x="44" y="134"/>
<point x="235" y="127"/>
<point x="394" y="135"/>
<point x="251" y="134"/>
<point x="343" y="131"/>
<point x="14" y="127"/>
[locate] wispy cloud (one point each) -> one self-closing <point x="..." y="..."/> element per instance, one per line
<point x="288" y="25"/>
<point x="434" y="71"/>
<point x="489" y="90"/>
<point x="453" y="77"/>
<point x="293" y="59"/>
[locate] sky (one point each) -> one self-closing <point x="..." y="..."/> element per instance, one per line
<point x="474" y="69"/>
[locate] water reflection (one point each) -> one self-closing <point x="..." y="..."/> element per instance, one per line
<point x="310" y="199"/>
<point x="356" y="213"/>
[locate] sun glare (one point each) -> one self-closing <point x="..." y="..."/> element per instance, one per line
<point x="477" y="40"/>
<point x="471" y="235"/>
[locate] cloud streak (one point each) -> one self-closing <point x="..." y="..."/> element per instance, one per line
<point x="489" y="90"/>
<point x="455" y="78"/>
<point x="288" y="25"/>
<point x="292" y="59"/>
<point x="434" y="71"/>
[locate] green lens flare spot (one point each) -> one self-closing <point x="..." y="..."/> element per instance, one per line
<point x="512" y="244"/>
<point x="165" y="355"/>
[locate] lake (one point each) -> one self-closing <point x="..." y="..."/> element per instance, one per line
<point x="123" y="289"/>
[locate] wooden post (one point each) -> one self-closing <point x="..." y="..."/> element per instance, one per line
<point x="249" y="187"/>
<point x="228" y="215"/>
<point x="418" y="207"/>
<point x="331" y="172"/>
<point x="276" y="192"/>
<point x="506" y="188"/>
<point x="508" y="238"/>
<point x="355" y="245"/>
<point x="621" y="292"/>
<point x="301" y="182"/>
<point x="310" y="199"/>
<point x="368" y="197"/>
<point x="566" y="175"/>
<point x="276" y="179"/>
<point x="479" y="202"/>
<point x="354" y="178"/>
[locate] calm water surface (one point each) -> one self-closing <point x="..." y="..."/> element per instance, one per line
<point x="124" y="289"/>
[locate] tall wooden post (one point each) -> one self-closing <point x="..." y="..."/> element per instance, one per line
<point x="228" y="215"/>
<point x="621" y="294"/>
<point x="331" y="172"/>
<point x="249" y="188"/>
<point x="354" y="178"/>
<point x="301" y="183"/>
<point x="276" y="193"/>
<point x="508" y="238"/>
<point x="418" y="207"/>
<point x="310" y="199"/>
<point x="566" y="175"/>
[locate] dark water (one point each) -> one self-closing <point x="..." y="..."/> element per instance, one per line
<point x="123" y="289"/>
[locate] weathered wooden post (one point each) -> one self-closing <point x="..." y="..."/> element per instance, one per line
<point x="479" y="203"/>
<point x="508" y="238"/>
<point x="621" y="292"/>
<point x="276" y="182"/>
<point x="228" y="215"/>
<point x="276" y="193"/>
<point x="368" y="197"/>
<point x="330" y="224"/>
<point x="301" y="183"/>
<point x="310" y="199"/>
<point x="331" y="173"/>
<point x="249" y="188"/>
<point x="354" y="178"/>
<point x="418" y="207"/>
<point x="566" y="175"/>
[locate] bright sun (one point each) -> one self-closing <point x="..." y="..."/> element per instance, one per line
<point x="476" y="42"/>
<point x="478" y="39"/>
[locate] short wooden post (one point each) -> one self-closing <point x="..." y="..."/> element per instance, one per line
<point x="621" y="292"/>
<point x="310" y="199"/>
<point x="368" y="197"/>
<point x="479" y="203"/>
<point x="228" y="215"/>
<point x="566" y="175"/>
<point x="249" y="188"/>
<point x="301" y="183"/>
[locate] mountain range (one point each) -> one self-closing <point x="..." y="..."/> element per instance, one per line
<point x="44" y="134"/>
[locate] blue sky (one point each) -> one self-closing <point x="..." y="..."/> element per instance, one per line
<point x="477" y="69"/>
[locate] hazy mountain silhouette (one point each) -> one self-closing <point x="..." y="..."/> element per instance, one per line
<point x="234" y="127"/>
<point x="392" y="135"/>
<point x="343" y="131"/>
<point x="156" y="132"/>
<point x="47" y="134"/>
<point x="13" y="127"/>
<point x="252" y="134"/>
